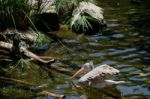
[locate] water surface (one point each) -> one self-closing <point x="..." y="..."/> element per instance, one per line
<point x="121" y="45"/>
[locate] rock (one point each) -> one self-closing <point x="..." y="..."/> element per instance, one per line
<point x="93" y="14"/>
<point x="2" y="24"/>
<point x="47" y="19"/>
<point x="47" y="22"/>
<point x="2" y="37"/>
<point x="28" y="39"/>
<point x="46" y="6"/>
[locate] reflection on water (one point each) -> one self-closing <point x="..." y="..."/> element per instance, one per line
<point x="120" y="46"/>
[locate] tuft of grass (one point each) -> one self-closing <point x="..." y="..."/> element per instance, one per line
<point x="81" y="22"/>
<point x="18" y="13"/>
<point x="41" y="40"/>
<point x="21" y="64"/>
<point x="11" y="11"/>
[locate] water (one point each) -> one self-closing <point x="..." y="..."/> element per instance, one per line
<point x="120" y="45"/>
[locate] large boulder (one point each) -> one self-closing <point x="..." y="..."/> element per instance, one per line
<point x="46" y="19"/>
<point x="87" y="18"/>
<point x="47" y="22"/>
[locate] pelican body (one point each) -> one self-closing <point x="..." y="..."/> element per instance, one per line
<point x="96" y="77"/>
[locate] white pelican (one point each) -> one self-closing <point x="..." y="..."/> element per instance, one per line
<point x="96" y="77"/>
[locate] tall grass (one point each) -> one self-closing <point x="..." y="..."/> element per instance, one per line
<point x="11" y="12"/>
<point x="17" y="13"/>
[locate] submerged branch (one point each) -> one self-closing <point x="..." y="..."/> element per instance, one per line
<point x="46" y="93"/>
<point x="14" y="80"/>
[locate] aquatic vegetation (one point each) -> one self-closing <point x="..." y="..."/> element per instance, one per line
<point x="22" y="64"/>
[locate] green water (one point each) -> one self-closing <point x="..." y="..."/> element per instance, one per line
<point x="122" y="45"/>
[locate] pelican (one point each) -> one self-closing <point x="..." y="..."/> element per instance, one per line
<point x="96" y="77"/>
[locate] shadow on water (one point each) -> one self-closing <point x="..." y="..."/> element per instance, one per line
<point x="141" y="22"/>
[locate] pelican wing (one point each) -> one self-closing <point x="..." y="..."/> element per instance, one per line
<point x="99" y="73"/>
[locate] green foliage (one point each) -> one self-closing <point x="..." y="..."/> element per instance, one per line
<point x="12" y="11"/>
<point x="61" y="4"/>
<point x="21" y="64"/>
<point x="41" y="40"/>
<point x="82" y="22"/>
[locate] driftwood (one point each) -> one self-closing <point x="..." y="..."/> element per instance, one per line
<point x="24" y="35"/>
<point x="25" y="52"/>
<point x="46" y="93"/>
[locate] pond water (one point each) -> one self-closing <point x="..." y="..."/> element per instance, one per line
<point x="120" y="46"/>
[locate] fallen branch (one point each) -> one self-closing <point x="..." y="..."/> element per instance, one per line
<point x="25" y="51"/>
<point x="15" y="81"/>
<point x="62" y="70"/>
<point x="49" y="58"/>
<point x="6" y="60"/>
<point x="46" y="93"/>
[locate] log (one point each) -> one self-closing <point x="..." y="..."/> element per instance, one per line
<point x="25" y="52"/>
<point x="24" y="35"/>
<point x="46" y="93"/>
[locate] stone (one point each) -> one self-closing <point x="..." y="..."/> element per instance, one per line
<point x="47" y="22"/>
<point x="95" y="20"/>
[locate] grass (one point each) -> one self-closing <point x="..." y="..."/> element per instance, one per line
<point x="41" y="40"/>
<point x="81" y="22"/>
<point x="11" y="11"/>
<point x="22" y="64"/>
<point x="18" y="13"/>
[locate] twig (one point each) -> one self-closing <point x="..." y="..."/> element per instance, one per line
<point x="49" y="57"/>
<point x="46" y="93"/>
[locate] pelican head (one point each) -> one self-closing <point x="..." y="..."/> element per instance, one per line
<point x="84" y="69"/>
